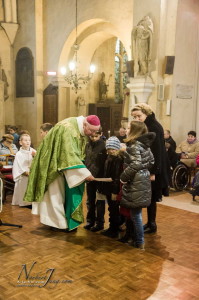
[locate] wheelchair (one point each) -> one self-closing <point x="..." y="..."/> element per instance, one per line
<point x="180" y="176"/>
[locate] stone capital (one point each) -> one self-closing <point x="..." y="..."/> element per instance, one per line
<point x="11" y="30"/>
<point x="140" y="90"/>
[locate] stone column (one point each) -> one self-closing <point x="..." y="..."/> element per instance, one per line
<point x="39" y="67"/>
<point x="8" y="11"/>
<point x="2" y="114"/>
<point x="140" y="91"/>
<point x="10" y="25"/>
<point x="14" y="11"/>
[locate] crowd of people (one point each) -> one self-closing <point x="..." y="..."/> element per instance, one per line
<point x="129" y="172"/>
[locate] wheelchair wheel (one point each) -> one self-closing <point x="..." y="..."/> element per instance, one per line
<point x="180" y="177"/>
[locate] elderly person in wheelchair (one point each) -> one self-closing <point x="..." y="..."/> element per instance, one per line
<point x="183" y="161"/>
<point x="189" y="149"/>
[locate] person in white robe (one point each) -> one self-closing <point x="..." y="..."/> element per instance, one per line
<point x="21" y="169"/>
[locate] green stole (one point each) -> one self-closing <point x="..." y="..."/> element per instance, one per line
<point x="73" y="205"/>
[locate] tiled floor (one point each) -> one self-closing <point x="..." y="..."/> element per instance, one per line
<point x="99" y="267"/>
<point x="182" y="200"/>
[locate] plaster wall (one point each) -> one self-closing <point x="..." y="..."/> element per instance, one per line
<point x="166" y="47"/>
<point x="65" y="109"/>
<point x="185" y="111"/>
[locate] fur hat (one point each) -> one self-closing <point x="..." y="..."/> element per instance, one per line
<point x="143" y="107"/>
<point x="113" y="143"/>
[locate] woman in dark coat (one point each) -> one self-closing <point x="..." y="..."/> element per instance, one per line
<point x="136" y="190"/>
<point x="159" y="173"/>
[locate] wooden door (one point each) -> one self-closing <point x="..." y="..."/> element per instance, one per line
<point x="116" y="117"/>
<point x="50" y="105"/>
<point x="104" y="114"/>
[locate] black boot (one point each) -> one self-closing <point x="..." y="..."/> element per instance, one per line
<point x="97" y="228"/>
<point x="151" y="229"/>
<point x="146" y="226"/>
<point x="151" y="226"/>
<point x="111" y="232"/>
<point x="100" y="212"/>
<point x="88" y="226"/>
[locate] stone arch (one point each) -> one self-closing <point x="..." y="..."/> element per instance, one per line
<point x="91" y="34"/>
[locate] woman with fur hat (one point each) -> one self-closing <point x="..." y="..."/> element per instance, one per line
<point x="159" y="173"/>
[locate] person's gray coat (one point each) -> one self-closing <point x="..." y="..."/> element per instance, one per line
<point x="138" y="159"/>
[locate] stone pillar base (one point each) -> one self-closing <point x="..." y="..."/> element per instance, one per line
<point x="140" y="90"/>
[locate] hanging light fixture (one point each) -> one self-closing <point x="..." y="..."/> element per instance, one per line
<point x="73" y="78"/>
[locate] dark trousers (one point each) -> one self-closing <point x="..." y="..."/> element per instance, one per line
<point x="152" y="208"/>
<point x="129" y="227"/>
<point x="100" y="212"/>
<point x="151" y="212"/>
<point x="114" y="215"/>
<point x="95" y="210"/>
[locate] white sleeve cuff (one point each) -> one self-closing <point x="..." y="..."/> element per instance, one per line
<point x="75" y="177"/>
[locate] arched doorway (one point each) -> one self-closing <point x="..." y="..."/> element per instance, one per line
<point x="96" y="40"/>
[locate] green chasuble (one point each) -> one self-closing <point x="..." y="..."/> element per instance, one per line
<point x="63" y="148"/>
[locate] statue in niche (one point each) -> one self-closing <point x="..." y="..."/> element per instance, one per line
<point x="103" y="88"/>
<point x="142" y="46"/>
<point x="81" y="106"/>
<point x="3" y="78"/>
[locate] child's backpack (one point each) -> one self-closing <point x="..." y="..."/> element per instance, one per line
<point x="195" y="186"/>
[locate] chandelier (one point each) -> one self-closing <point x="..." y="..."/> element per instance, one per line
<point x="74" y="79"/>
